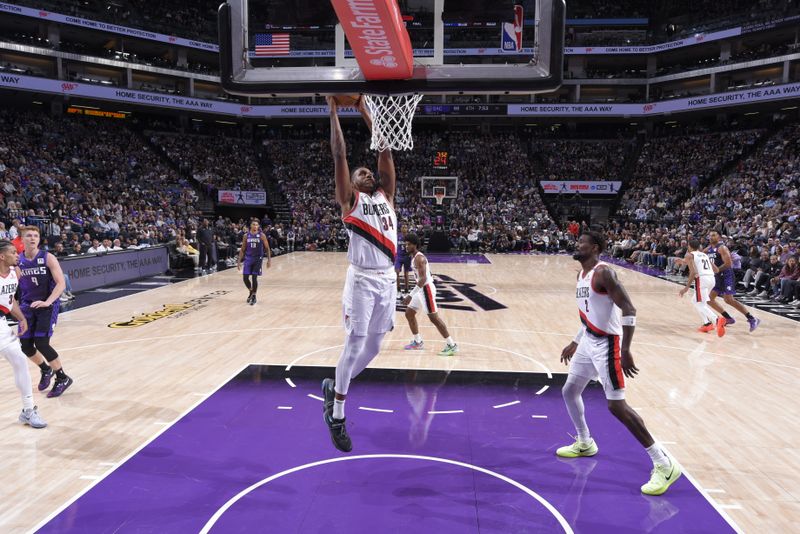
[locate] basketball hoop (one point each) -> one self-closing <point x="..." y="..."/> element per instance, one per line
<point x="391" y="120"/>
<point x="439" y="196"/>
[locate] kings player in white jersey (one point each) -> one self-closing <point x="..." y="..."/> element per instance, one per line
<point x="9" y="342"/>
<point x="368" y="300"/>
<point x="601" y="350"/>
<point x="423" y="297"/>
<point x="701" y="273"/>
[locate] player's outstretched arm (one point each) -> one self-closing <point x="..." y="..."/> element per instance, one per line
<point x="344" y="188"/>
<point x="616" y="291"/>
<point x="689" y="262"/>
<point x="241" y="252"/>
<point x="725" y="254"/>
<point x="385" y="160"/>
<point x="265" y="242"/>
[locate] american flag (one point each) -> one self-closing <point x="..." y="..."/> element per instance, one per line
<point x="272" y="44"/>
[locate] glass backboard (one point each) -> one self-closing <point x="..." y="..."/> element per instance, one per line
<point x="291" y="47"/>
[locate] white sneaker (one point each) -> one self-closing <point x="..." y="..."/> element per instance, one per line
<point x="763" y="294"/>
<point x="31" y="417"/>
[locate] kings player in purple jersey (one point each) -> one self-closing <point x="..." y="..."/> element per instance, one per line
<point x="254" y="244"/>
<point x="725" y="283"/>
<point x="41" y="284"/>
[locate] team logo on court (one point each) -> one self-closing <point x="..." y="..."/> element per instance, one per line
<point x="454" y="295"/>
<point x="170" y="310"/>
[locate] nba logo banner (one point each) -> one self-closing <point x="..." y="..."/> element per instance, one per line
<point x="511" y="39"/>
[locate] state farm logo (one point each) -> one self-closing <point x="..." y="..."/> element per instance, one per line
<point x="589" y="50"/>
<point x="66" y="87"/>
<point x="647" y="108"/>
<point x="172" y="39"/>
<point x="699" y="38"/>
<point x="390" y="62"/>
<point x="246" y="109"/>
<point x="43" y="14"/>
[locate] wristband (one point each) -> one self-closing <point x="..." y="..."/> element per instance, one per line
<point x="629" y="320"/>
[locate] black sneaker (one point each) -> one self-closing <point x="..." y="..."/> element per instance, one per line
<point x="253" y="299"/>
<point x="250" y="298"/>
<point x="60" y="387"/>
<point x="337" y="427"/>
<point x="329" y="393"/>
<point x="44" y="382"/>
<point x="339" y="435"/>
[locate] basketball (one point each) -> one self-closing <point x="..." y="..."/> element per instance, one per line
<point x="347" y="100"/>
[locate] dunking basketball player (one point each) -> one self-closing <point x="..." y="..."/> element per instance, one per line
<point x="403" y="261"/>
<point x="701" y="272"/>
<point x="602" y="347"/>
<point x="423" y="297"/>
<point x="367" y="204"/>
<point x="725" y="282"/>
<point x="9" y="344"/>
<point x="254" y="244"/>
<point x="41" y="285"/>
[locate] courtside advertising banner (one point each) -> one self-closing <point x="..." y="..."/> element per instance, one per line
<point x="787" y="91"/>
<point x="250" y="198"/>
<point x="584" y="188"/>
<point x="91" y="271"/>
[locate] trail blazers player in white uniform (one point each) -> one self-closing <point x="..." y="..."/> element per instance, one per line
<point x="602" y="350"/>
<point x="423" y="297"/>
<point x="10" y="346"/>
<point x="370" y="289"/>
<point x="701" y="272"/>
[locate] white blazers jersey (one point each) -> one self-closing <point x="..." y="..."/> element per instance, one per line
<point x="426" y="273"/>
<point x="599" y="314"/>
<point x="372" y="226"/>
<point x="702" y="264"/>
<point x="8" y="287"/>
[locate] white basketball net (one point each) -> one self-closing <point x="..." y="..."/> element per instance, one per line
<point x="391" y="120"/>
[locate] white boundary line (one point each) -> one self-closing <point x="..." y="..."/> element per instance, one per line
<point x="315" y="397"/>
<point x="284" y="407"/>
<point x="539" y="416"/>
<point x="381" y="410"/>
<point x="442" y="412"/>
<point x="545" y="388"/>
<point x="224" y="508"/>
<point x="706" y="496"/>
<point x="512" y="403"/>
<point x="81" y="493"/>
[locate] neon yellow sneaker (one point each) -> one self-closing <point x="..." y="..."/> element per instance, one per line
<point x="449" y="350"/>
<point x="661" y="478"/>
<point x="578" y="449"/>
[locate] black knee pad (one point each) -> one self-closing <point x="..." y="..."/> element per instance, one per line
<point x="27" y="347"/>
<point x="42" y="344"/>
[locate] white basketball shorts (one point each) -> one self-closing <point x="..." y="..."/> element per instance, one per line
<point x="368" y="300"/>
<point x="598" y="358"/>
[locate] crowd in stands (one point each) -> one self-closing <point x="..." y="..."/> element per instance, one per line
<point x="753" y="205"/>
<point x="670" y="167"/>
<point x="591" y="160"/>
<point x="216" y="162"/>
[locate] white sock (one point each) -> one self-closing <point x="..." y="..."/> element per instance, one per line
<point x="338" y="409"/>
<point x="450" y="341"/>
<point x="658" y="455"/>
<point x="418" y="338"/>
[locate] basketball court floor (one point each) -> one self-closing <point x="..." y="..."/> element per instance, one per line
<point x="194" y="412"/>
